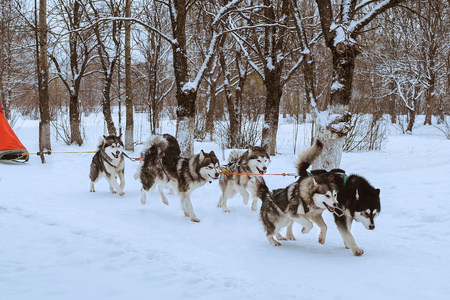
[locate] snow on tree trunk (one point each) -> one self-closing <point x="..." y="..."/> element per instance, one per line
<point x="185" y="135"/>
<point x="332" y="128"/>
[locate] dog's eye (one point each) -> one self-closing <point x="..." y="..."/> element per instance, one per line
<point x="259" y="160"/>
<point x="328" y="196"/>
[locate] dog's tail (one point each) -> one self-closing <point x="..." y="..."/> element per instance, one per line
<point x="307" y="157"/>
<point x="155" y="149"/>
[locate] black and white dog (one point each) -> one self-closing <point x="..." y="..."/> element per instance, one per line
<point x="359" y="201"/>
<point x="302" y="201"/>
<point x="109" y="161"/>
<point x="162" y="166"/>
<point x="253" y="161"/>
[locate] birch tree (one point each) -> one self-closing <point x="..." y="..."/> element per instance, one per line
<point x="43" y="78"/>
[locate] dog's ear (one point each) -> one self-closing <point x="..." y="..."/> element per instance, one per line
<point x="331" y="178"/>
<point x="212" y="153"/>
<point x="120" y="136"/>
<point x="357" y="195"/>
<point x="201" y="155"/>
<point x="378" y="192"/>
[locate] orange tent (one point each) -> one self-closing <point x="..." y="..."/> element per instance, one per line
<point x="11" y="149"/>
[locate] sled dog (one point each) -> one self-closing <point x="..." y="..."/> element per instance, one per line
<point x="160" y="145"/>
<point x="161" y="167"/>
<point x="253" y="161"/>
<point x="109" y="161"/>
<point x="360" y="201"/>
<point x="302" y="201"/>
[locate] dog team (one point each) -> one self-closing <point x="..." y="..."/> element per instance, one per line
<point x="347" y="197"/>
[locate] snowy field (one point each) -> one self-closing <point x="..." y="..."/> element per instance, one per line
<point x="59" y="241"/>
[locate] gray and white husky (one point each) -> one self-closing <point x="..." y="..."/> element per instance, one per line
<point x="162" y="167"/>
<point x="302" y="201"/>
<point x="109" y="161"/>
<point x="253" y="161"/>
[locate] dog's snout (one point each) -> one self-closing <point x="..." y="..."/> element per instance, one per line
<point x="216" y="175"/>
<point x="371" y="227"/>
<point x="265" y="168"/>
<point x="335" y="204"/>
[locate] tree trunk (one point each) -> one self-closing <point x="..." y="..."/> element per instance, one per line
<point x="392" y="102"/>
<point x="106" y="105"/>
<point x="185" y="96"/>
<point x="44" y="109"/>
<point x="3" y="101"/>
<point x="129" y="139"/>
<point x="74" y="119"/>
<point x="431" y="98"/>
<point x="272" y="110"/>
<point x="412" y="119"/>
<point x="210" y="113"/>
<point x="230" y="103"/>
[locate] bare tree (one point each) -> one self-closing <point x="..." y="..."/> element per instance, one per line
<point x="186" y="90"/>
<point x="109" y="42"/>
<point x="43" y="78"/>
<point x="341" y="36"/>
<point x="81" y="44"/>
<point x="270" y="24"/>
<point x="155" y="73"/>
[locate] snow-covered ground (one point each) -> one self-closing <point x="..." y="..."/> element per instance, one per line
<point x="59" y="241"/>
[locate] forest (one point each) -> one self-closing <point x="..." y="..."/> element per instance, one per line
<point x="228" y="69"/>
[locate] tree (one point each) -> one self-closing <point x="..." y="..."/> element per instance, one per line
<point x="186" y="90"/>
<point x="154" y="74"/>
<point x="341" y="35"/>
<point x="109" y="43"/>
<point x="129" y="124"/>
<point x="270" y="24"/>
<point x="43" y="78"/>
<point x="81" y="44"/>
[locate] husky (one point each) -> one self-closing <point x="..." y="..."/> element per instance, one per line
<point x="360" y="201"/>
<point x="302" y="201"/>
<point x="109" y="161"/>
<point x="164" y="145"/>
<point x="253" y="161"/>
<point x="162" y="168"/>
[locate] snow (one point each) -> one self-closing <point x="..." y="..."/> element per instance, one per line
<point x="59" y="241"/>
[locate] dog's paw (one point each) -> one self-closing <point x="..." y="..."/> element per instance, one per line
<point x="321" y="240"/>
<point x="290" y="237"/>
<point x="195" y="219"/>
<point x="276" y="244"/>
<point x="225" y="210"/>
<point x="114" y="192"/>
<point x="165" y="202"/>
<point x="281" y="238"/>
<point x="143" y="201"/>
<point x="305" y="230"/>
<point x="357" y="252"/>
<point x="121" y="193"/>
<point x="92" y="190"/>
